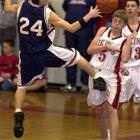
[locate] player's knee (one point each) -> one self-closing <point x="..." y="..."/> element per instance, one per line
<point x="76" y="58"/>
<point x="100" y="115"/>
<point x="112" y="113"/>
<point x="41" y="83"/>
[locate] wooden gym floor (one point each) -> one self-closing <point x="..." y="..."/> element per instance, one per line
<point x="59" y="116"/>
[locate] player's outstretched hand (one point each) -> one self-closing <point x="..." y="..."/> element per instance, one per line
<point x="133" y="35"/>
<point x="124" y="71"/>
<point x="95" y="12"/>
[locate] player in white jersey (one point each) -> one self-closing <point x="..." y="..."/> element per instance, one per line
<point x="109" y="49"/>
<point x="132" y="9"/>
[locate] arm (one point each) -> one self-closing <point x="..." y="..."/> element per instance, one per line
<point x="93" y="47"/>
<point x="126" y="51"/>
<point x="59" y="22"/>
<point x="9" y="7"/>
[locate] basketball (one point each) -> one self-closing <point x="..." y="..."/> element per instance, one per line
<point x="107" y="6"/>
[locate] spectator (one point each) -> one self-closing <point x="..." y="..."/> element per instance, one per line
<point x="7" y="25"/>
<point x="79" y="40"/>
<point x="8" y="66"/>
<point x="9" y="70"/>
<point x="41" y="83"/>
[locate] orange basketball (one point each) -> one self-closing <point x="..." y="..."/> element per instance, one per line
<point x="107" y="6"/>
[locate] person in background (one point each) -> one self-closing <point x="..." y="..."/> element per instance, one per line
<point x="133" y="66"/>
<point x="107" y="17"/>
<point x="9" y="69"/>
<point x="7" y="24"/>
<point x="79" y="40"/>
<point x="8" y="66"/>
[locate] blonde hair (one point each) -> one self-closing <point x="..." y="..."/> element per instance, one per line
<point x="121" y="13"/>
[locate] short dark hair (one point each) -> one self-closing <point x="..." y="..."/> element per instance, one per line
<point x="10" y="42"/>
<point x="137" y="2"/>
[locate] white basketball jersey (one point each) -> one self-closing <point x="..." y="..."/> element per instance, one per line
<point x="135" y="46"/>
<point x="108" y="60"/>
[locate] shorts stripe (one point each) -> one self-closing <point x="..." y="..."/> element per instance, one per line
<point x="75" y="55"/>
<point x="115" y="103"/>
<point x="50" y="30"/>
<point x="19" y="72"/>
<point x="37" y="77"/>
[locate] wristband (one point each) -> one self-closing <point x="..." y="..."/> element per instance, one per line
<point x="82" y="22"/>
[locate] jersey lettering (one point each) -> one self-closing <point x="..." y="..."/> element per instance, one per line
<point x="37" y="26"/>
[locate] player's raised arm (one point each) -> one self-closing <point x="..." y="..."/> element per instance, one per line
<point x="9" y="7"/>
<point x="57" y="21"/>
<point x="126" y="51"/>
<point x="93" y="47"/>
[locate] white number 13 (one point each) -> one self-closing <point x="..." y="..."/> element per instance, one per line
<point x="37" y="27"/>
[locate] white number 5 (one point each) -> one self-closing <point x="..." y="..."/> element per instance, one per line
<point x="37" y="27"/>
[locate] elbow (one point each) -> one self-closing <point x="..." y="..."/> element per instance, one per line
<point x="89" y="52"/>
<point x="91" y="49"/>
<point x="71" y="30"/>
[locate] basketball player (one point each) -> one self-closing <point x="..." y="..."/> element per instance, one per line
<point x="10" y="7"/>
<point x="109" y="50"/>
<point x="37" y="51"/>
<point x="132" y="9"/>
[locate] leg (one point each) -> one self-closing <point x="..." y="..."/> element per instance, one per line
<point x="101" y="119"/>
<point x="19" y="115"/>
<point x="84" y="39"/>
<point x="84" y="65"/>
<point x="84" y="81"/>
<point x="37" y="85"/>
<point x="66" y="57"/>
<point x="71" y="72"/>
<point x="30" y="69"/>
<point x="98" y="99"/>
<point x="84" y="78"/>
<point x="71" y="75"/>
<point x="136" y="73"/>
<point x="113" y="121"/>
